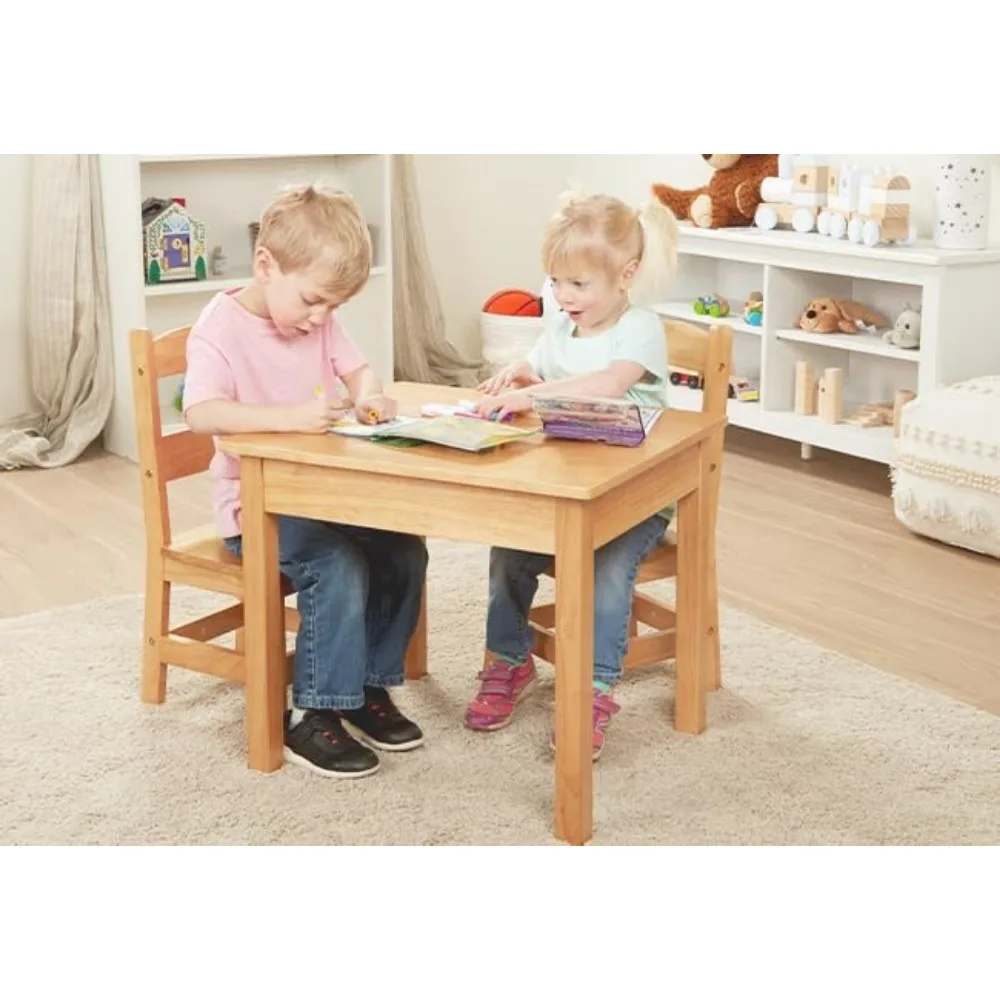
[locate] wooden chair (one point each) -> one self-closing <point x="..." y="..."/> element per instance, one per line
<point x="196" y="559"/>
<point x="708" y="353"/>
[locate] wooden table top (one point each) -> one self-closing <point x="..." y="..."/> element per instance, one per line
<point x="577" y="470"/>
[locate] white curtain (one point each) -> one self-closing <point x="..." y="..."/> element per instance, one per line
<point x="422" y="350"/>
<point x="69" y="323"/>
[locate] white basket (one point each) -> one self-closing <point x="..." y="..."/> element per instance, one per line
<point x="507" y="339"/>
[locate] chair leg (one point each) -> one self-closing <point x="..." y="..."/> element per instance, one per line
<point x="240" y="640"/>
<point x="415" y="666"/>
<point x="157" y="623"/>
<point x="713" y="674"/>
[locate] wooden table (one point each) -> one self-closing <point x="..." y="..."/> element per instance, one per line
<point x="563" y="497"/>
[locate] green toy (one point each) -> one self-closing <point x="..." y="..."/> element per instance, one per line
<point x="711" y="305"/>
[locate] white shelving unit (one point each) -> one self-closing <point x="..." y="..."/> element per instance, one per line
<point x="227" y="192"/>
<point x="955" y="290"/>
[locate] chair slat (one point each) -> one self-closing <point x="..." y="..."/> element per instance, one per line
<point x="170" y="352"/>
<point x="183" y="453"/>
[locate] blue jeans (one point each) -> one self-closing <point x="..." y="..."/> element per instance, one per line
<point x="359" y="593"/>
<point x="514" y="583"/>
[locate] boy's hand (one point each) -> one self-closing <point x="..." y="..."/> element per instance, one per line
<point x="498" y="407"/>
<point x="515" y="376"/>
<point x="375" y="409"/>
<point x="314" y="417"/>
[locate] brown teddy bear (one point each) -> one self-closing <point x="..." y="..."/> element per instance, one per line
<point x="732" y="195"/>
<point x="839" y="316"/>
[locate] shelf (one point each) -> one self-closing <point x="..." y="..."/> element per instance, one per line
<point x="874" y="443"/>
<point x="856" y="343"/>
<point x="213" y="285"/>
<point x="684" y="311"/>
<point x="740" y="413"/>
<point x="203" y="157"/>
<point x="693" y="239"/>
<point x="193" y="287"/>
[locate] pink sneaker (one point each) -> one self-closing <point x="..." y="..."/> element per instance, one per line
<point x="502" y="686"/>
<point x="604" y="707"/>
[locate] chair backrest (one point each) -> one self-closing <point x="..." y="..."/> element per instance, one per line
<point x="162" y="457"/>
<point x="707" y="353"/>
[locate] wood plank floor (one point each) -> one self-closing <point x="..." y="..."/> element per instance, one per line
<point x="811" y="547"/>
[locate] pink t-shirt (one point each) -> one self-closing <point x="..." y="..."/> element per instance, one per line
<point x="232" y="354"/>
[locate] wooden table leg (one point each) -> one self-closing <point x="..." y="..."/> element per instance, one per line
<point x="692" y="588"/>
<point x="416" y="653"/>
<point x="712" y="669"/>
<point x="264" y="624"/>
<point x="574" y="672"/>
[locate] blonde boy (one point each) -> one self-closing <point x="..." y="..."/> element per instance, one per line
<point x="256" y="357"/>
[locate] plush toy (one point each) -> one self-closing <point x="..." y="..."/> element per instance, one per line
<point x="906" y="331"/>
<point x="840" y="316"/>
<point x="731" y="196"/>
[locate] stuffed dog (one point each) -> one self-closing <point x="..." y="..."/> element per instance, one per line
<point x="839" y="316"/>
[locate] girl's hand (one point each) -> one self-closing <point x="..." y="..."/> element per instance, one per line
<point x="501" y="406"/>
<point x="375" y="409"/>
<point x="314" y="417"/>
<point x="515" y="376"/>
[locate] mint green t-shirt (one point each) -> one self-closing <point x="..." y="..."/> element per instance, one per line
<point x="638" y="336"/>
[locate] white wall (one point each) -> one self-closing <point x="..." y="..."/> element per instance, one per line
<point x="484" y="214"/>
<point x="483" y="217"/>
<point x="15" y="391"/>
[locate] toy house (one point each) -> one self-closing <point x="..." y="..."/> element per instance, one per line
<point x="173" y="242"/>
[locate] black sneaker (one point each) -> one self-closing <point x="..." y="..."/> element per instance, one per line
<point x="320" y="743"/>
<point x="380" y="724"/>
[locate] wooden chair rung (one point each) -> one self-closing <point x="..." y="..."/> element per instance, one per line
<point x="212" y="626"/>
<point x="204" y="658"/>
<point x="543" y="615"/>
<point x="649" y="649"/>
<point x="654" y="613"/>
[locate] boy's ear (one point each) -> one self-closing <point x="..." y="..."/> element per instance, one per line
<point x="630" y="271"/>
<point x="263" y="262"/>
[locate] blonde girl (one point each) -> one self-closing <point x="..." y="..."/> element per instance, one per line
<point x="606" y="262"/>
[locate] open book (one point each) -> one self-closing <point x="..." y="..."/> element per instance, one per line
<point x="451" y="431"/>
<point x="614" y="421"/>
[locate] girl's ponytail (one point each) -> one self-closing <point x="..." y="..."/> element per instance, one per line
<point x="658" y="265"/>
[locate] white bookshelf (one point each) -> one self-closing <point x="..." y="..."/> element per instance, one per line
<point x="956" y="291"/>
<point x="227" y="192"/>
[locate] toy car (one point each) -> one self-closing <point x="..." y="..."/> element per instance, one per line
<point x="743" y="389"/>
<point x="711" y="305"/>
<point x="678" y="377"/>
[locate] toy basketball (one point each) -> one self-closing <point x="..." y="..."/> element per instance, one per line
<point x="513" y="302"/>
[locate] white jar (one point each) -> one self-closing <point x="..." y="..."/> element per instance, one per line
<point x="962" y="201"/>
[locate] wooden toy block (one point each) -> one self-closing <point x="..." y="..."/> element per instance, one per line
<point x="805" y="389"/>
<point x="871" y="415"/>
<point x="831" y="395"/>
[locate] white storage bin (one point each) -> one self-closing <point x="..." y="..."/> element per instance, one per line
<point x="508" y="338"/>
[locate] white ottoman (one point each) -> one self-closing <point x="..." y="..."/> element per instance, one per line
<point x="946" y="469"/>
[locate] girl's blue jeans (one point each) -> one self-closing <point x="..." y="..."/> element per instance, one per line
<point x="359" y="593"/>
<point x="514" y="583"/>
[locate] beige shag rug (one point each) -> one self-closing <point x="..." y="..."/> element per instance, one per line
<point x="804" y="747"/>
